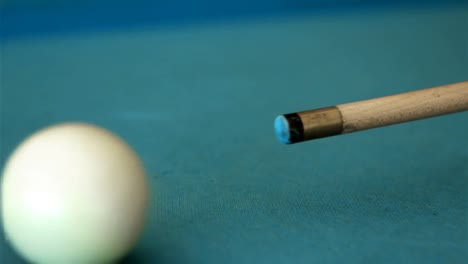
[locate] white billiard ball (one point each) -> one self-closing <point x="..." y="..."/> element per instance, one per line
<point x="73" y="193"/>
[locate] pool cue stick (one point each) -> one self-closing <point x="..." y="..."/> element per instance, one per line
<point x="373" y="113"/>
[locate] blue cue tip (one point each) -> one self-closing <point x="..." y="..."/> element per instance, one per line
<point x="282" y="130"/>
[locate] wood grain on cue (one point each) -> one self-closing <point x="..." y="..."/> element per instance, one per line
<point x="373" y="113"/>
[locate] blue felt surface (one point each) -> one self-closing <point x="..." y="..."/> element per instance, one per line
<point x="32" y="18"/>
<point x="198" y="104"/>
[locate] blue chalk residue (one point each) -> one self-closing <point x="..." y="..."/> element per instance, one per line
<point x="282" y="130"/>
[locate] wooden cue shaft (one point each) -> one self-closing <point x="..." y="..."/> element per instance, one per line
<point x="377" y="112"/>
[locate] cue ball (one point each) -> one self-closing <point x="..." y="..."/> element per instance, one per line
<point x="73" y="193"/>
